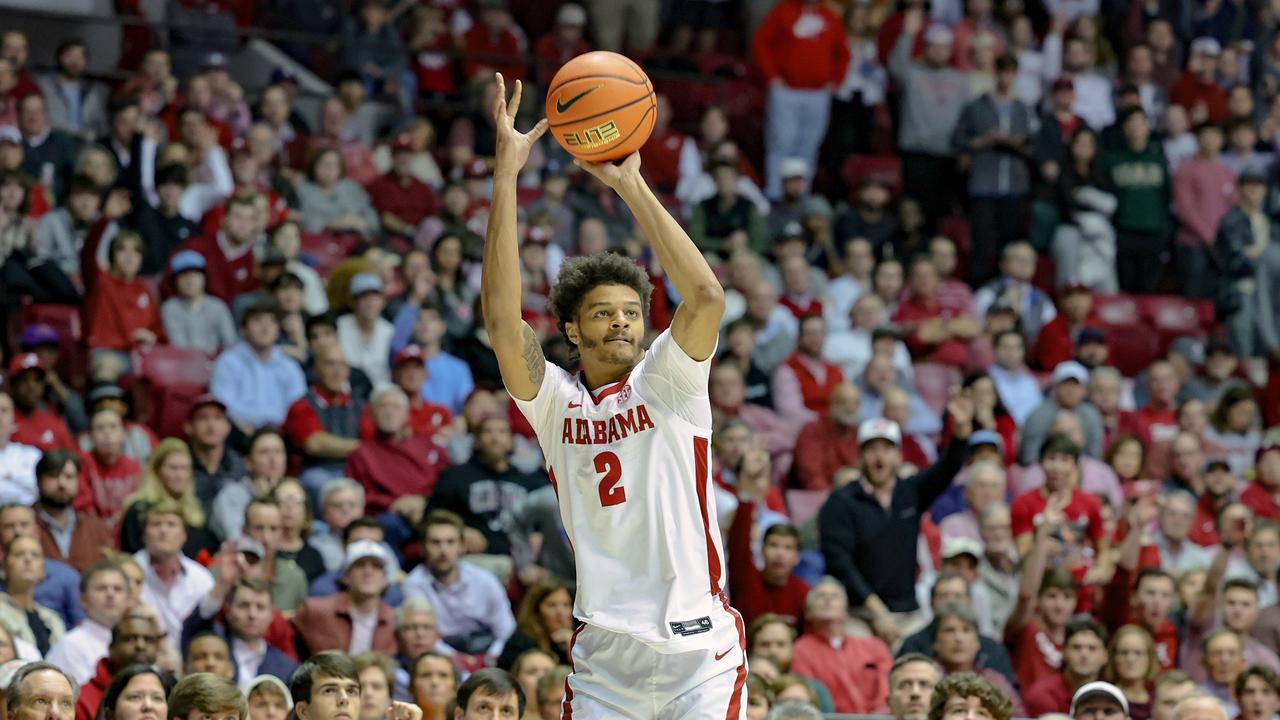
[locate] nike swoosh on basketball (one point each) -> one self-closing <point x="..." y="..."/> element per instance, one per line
<point x="563" y="107"/>
<point x="721" y="655"/>
<point x="574" y="405"/>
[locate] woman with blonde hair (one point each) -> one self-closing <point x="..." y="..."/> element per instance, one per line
<point x="168" y="475"/>
<point x="1133" y="667"/>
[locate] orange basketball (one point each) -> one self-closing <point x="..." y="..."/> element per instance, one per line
<point x="601" y="106"/>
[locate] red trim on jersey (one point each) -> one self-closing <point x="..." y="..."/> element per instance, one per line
<point x="567" y="708"/>
<point x="608" y="390"/>
<point x="735" y="700"/>
<point x="701" y="461"/>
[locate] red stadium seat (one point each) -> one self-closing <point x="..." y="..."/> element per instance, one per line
<point x="1133" y="347"/>
<point x="323" y="251"/>
<point x="1115" y="310"/>
<point x="1172" y="314"/>
<point x="934" y="383"/>
<point x="885" y="169"/>
<point x="169" y="381"/>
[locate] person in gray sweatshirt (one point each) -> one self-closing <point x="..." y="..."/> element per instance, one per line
<point x="933" y="95"/>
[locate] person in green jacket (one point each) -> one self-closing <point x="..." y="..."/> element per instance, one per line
<point x="1137" y="173"/>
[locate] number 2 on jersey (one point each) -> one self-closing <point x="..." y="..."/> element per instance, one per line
<point x="611" y="493"/>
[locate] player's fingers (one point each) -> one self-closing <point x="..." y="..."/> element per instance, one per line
<point x="538" y="130"/>
<point x="515" y="96"/>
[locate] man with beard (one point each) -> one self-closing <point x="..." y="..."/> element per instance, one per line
<point x="870" y="549"/>
<point x="911" y="682"/>
<point x="135" y="640"/>
<point x="103" y="594"/>
<point x="72" y="536"/>
<point x="1219" y="492"/>
<point x="485" y="487"/>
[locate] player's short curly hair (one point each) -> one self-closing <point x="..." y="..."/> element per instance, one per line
<point x="970" y="685"/>
<point x="580" y="276"/>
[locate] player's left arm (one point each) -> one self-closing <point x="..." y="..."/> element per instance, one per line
<point x="696" y="324"/>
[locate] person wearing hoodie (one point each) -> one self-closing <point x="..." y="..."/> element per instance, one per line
<point x="1137" y="173"/>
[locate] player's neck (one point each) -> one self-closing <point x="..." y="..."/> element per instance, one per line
<point x="597" y="376"/>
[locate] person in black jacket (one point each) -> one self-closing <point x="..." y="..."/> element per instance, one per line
<point x="870" y="526"/>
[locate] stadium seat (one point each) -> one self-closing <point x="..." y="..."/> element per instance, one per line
<point x="934" y="383"/>
<point x="323" y="251"/>
<point x="1173" y="314"/>
<point x="885" y="169"/>
<point x="169" y="379"/>
<point x="1133" y="347"/>
<point x="1116" y="310"/>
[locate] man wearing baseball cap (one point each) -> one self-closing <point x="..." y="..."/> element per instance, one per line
<point x="45" y="341"/>
<point x="409" y="373"/>
<point x="1068" y="387"/>
<point x="869" y="527"/>
<point x="364" y="334"/>
<point x="35" y="423"/>
<point x="355" y="619"/>
<point x="213" y="464"/>
<point x="402" y="200"/>
<point x="1099" y="700"/>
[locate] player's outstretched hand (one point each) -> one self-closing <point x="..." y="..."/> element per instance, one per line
<point x="404" y="711"/>
<point x="613" y="175"/>
<point x="513" y="146"/>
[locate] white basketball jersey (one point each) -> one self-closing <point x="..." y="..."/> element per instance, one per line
<point x="631" y="466"/>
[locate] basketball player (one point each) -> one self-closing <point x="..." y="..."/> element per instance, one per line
<point x="627" y="444"/>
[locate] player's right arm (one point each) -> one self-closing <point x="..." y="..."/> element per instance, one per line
<point x="519" y="353"/>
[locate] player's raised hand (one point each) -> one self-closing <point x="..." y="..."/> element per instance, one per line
<point x="513" y="146"/>
<point x="613" y="175"/>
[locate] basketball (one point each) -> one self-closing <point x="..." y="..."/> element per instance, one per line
<point x="601" y="107"/>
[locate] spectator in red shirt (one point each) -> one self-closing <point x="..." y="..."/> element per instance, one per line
<point x="122" y="311"/>
<point x="499" y="40"/>
<point x="801" y="49"/>
<point x="402" y="201"/>
<point x="562" y="44"/>
<point x="397" y="469"/>
<point x="323" y="426"/>
<point x="1198" y="90"/>
<point x="426" y="419"/>
<point x="933" y="334"/>
<point x="1047" y="597"/>
<point x="430" y="48"/>
<point x="14" y="48"/>
<point x="228" y="254"/>
<point x="1081" y="527"/>
<point x="828" y="443"/>
<point x="110" y="476"/>
<point x="1084" y="655"/>
<point x="668" y="151"/>
<point x="36" y="424"/>
<point x="802" y="385"/>
<point x="854" y="669"/>
<point x="1058" y="338"/>
<point x="1262" y="496"/>
<point x="1219" y="492"/>
<point x="771" y="588"/>
<point x="1156" y="422"/>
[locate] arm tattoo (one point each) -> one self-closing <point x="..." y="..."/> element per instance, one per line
<point x="534" y="361"/>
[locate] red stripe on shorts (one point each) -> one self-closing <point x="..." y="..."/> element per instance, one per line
<point x="566" y="711"/>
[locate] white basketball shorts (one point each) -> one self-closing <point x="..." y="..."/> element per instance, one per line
<point x="616" y="676"/>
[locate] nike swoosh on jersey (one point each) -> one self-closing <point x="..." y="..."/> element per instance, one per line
<point x="574" y="405"/>
<point x="563" y="107"/>
<point x="721" y="655"/>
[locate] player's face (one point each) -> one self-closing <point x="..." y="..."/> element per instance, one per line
<point x="610" y="326"/>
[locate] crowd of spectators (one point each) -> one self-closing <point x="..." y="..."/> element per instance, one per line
<point x="249" y="414"/>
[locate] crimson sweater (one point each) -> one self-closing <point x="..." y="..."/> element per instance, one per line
<point x="118" y="308"/>
<point x="390" y="468"/>
<point x="802" y="44"/>
<point x="752" y="595"/>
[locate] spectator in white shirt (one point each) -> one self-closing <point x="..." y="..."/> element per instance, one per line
<point x="172" y="583"/>
<point x="17" y="461"/>
<point x="1016" y="385"/>
<point x="851" y="349"/>
<point x="104" y="593"/>
<point x="1177" y="553"/>
<point x="365" y="335"/>
<point x="472" y="610"/>
<point x="842" y="292"/>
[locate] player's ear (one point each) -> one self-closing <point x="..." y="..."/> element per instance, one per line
<point x="571" y="331"/>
